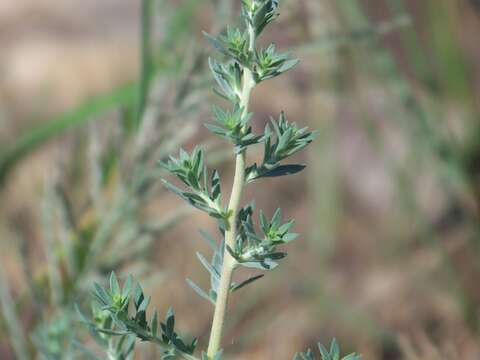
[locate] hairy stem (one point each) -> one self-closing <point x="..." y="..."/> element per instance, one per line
<point x="231" y="231"/>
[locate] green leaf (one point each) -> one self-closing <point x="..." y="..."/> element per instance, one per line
<point x="287" y="65"/>
<point x="199" y="291"/>
<point x="277" y="217"/>
<point x="127" y="287"/>
<point x="324" y="352"/>
<point x="215" y="42"/>
<point x="102" y="295"/>
<point x="228" y="79"/>
<point x="80" y="314"/>
<point x="308" y="355"/>
<point x="352" y="357"/>
<point x="191" y="170"/>
<point x="114" y="286"/>
<point x="49" y="129"/>
<point x="214" y="273"/>
<point x="170" y="322"/>
<point x="138" y="296"/>
<point x="265" y="15"/>
<point x="260" y="265"/>
<point x="144" y="304"/>
<point x="172" y="188"/>
<point x="270" y="64"/>
<point x="334" y="350"/>
<point x="207" y="236"/>
<point x="246" y="282"/>
<point x="286" y="140"/>
<point x="154" y="324"/>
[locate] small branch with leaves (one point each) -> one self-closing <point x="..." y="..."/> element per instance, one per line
<point x="327" y="354"/>
<point x="242" y="68"/>
<point x="111" y="318"/>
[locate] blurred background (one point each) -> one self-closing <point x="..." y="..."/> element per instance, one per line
<point x="92" y="94"/>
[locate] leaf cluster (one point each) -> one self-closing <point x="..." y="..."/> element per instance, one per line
<point x="204" y="194"/>
<point x="327" y="354"/>
<point x="229" y="79"/>
<point x="239" y="48"/>
<point x="242" y="57"/>
<point x="259" y="13"/>
<point x="259" y="251"/>
<point x="270" y="63"/>
<point x="285" y="140"/>
<point x="112" y="318"/>
<point x="234" y="126"/>
<point x="233" y="43"/>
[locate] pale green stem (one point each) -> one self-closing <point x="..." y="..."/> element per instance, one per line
<point x="229" y="262"/>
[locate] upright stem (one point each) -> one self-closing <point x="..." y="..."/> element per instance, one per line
<point x="229" y="262"/>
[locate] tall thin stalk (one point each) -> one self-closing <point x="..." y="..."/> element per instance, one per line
<point x="245" y="66"/>
<point x="229" y="262"/>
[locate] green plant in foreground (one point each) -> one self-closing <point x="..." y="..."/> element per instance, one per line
<point x="327" y="354"/>
<point x="244" y="244"/>
<point x="111" y="319"/>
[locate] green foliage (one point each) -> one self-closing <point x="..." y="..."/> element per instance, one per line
<point x="228" y="78"/>
<point x="327" y="354"/>
<point x="233" y="43"/>
<point x="259" y="13"/>
<point x="235" y="127"/>
<point x="286" y="140"/>
<point x="235" y="77"/>
<point x="260" y="252"/>
<point x="192" y="171"/>
<point x="270" y="64"/>
<point x="244" y="67"/>
<point x="111" y="318"/>
<point x="93" y="217"/>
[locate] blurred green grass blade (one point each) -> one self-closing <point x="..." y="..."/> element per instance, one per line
<point x="450" y="59"/>
<point x="176" y="24"/>
<point x="38" y="135"/>
<point x="146" y="58"/>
